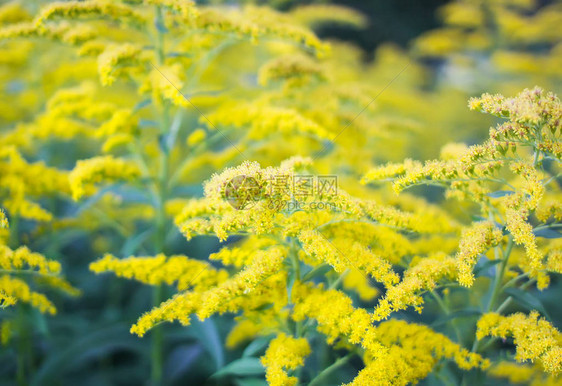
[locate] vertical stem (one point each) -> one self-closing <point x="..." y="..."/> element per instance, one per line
<point x="14" y="231"/>
<point x="496" y="290"/>
<point x="22" y="349"/>
<point x="447" y="312"/>
<point x="499" y="276"/>
<point x="295" y="265"/>
<point x="157" y="340"/>
<point x="161" y="197"/>
<point x="23" y="341"/>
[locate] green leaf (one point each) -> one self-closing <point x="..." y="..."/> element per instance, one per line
<point x="291" y="278"/>
<point x="241" y="367"/>
<point x="481" y="269"/>
<point x="547" y="233"/>
<point x="181" y="359"/>
<point x="527" y="300"/>
<point x="320" y="270"/>
<point x="256" y="346"/>
<point x="209" y="337"/>
<point x="500" y="193"/>
<point x="92" y="346"/>
<point x="133" y="243"/>
<point x="142" y="104"/>
<point x="455" y="315"/>
<point x="250" y="382"/>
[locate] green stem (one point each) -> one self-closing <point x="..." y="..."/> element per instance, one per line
<point x="514" y="280"/>
<point x="499" y="275"/>
<point x="295" y="260"/>
<point x="319" y="379"/>
<point x="14" y="231"/>
<point x="22" y="346"/>
<point x="157" y="343"/>
<point x="295" y="265"/>
<point x="26" y="272"/>
<point x="507" y="301"/>
<point x="447" y="312"/>
<point x="340" y="278"/>
<point x="548" y="226"/>
<point x="496" y="291"/>
<point x="161" y="197"/>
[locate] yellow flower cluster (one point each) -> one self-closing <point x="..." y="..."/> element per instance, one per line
<point x="426" y="221"/>
<point x="251" y="324"/>
<point x="224" y="297"/>
<point x="389" y="170"/>
<point x="196" y="137"/>
<point x="263" y="119"/>
<point x="24" y="181"/>
<point x="181" y="270"/>
<point x="19" y="290"/>
<point x="478" y="174"/>
<point x="284" y="353"/>
<point x="243" y="253"/>
<point x="116" y="60"/>
<point x="185" y="8"/>
<point x="85" y="9"/>
<point x="3" y="219"/>
<point x="475" y="240"/>
<point x="418" y="278"/>
<point x="522" y="231"/>
<point x="92" y="171"/>
<point x="356" y="256"/>
<point x="534" y="337"/>
<point x="44" y="272"/>
<point x="554" y="260"/>
<point x="494" y="28"/>
<point x="23" y="257"/>
<point x="340" y="320"/>
<point x="549" y="208"/>
<point x="523" y="374"/>
<point x="328" y="13"/>
<point x="413" y="352"/>
<point x="166" y="83"/>
<point x="357" y="281"/>
<point x="296" y="70"/>
<point x="397" y="352"/>
<point x="13" y="12"/>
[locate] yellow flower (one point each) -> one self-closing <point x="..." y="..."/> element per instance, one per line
<point x="196" y="137"/>
<point x="3" y="219"/>
<point x="523" y="374"/>
<point x="475" y="240"/>
<point x="419" y="277"/>
<point x="328" y="13"/>
<point x="354" y="257"/>
<point x="284" y="353"/>
<point x="340" y="320"/>
<point x="184" y="272"/>
<point x="534" y="337"/>
<point x="19" y="290"/>
<point x="115" y="60"/>
<point x="91" y="171"/>
<point x="77" y="9"/>
<point x="413" y="351"/>
<point x="226" y="296"/>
